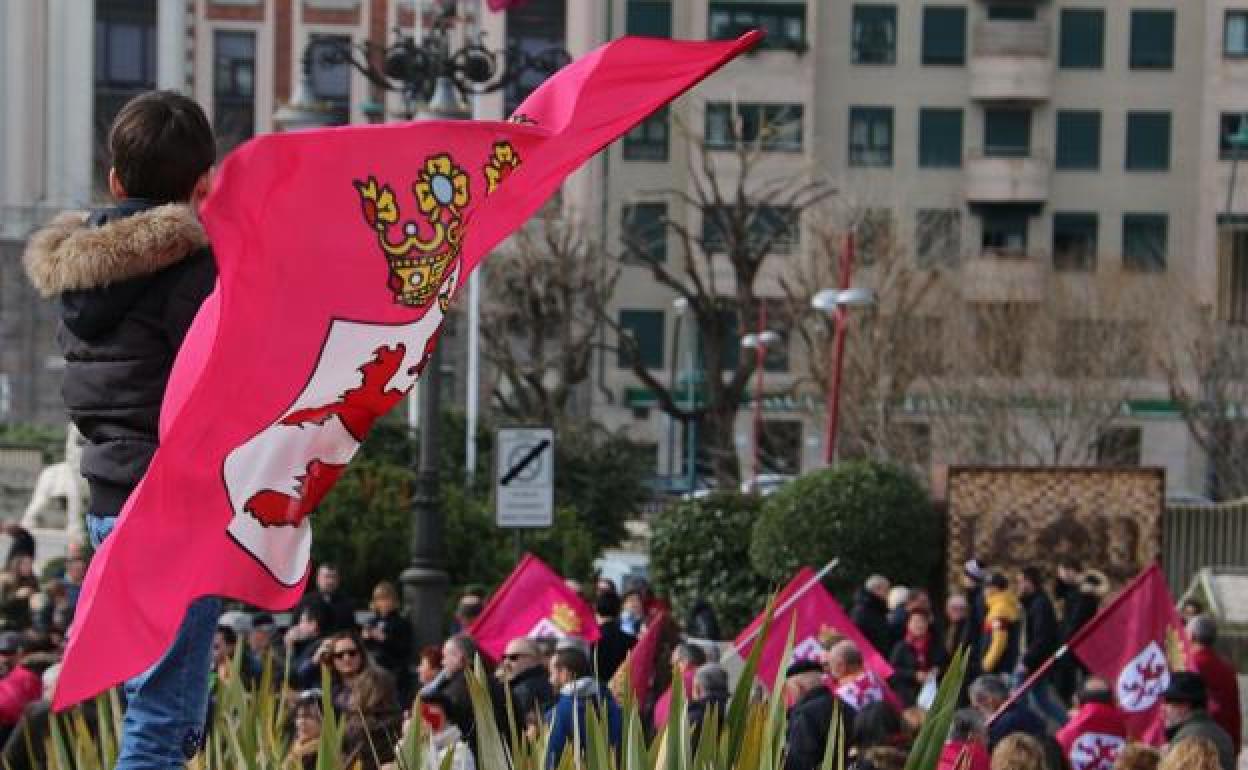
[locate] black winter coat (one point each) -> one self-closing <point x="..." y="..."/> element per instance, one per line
<point x="611" y="649"/>
<point x="1078" y="607"/>
<point x="1039" y="630"/>
<point x="810" y="722"/>
<point x="905" y="663"/>
<point x="129" y="281"/>
<point x="531" y="697"/>
<point x="870" y="615"/>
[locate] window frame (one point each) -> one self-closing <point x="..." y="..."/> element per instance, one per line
<point x="753" y="117"/>
<point x="933" y="224"/>
<point x="940" y="157"/>
<point x="1138" y="263"/>
<point x="1138" y="59"/>
<point x="870" y="155"/>
<point x="1071" y="261"/>
<point x="635" y="11"/>
<point x="1068" y="47"/>
<point x="655" y="248"/>
<point x="1002" y="150"/>
<point x="930" y="35"/>
<point x="1063" y="125"/>
<point x="858" y="25"/>
<point x="1227" y="53"/>
<point x="998" y="216"/>
<point x="651" y="315"/>
<point x="1133" y="160"/>
<point x="636" y="146"/>
<point x="780" y="14"/>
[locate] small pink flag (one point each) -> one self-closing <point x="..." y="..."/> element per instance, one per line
<point x="338" y="253"/>
<point x="532" y="602"/>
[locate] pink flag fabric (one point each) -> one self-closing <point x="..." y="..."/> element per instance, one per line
<point x="338" y="252"/>
<point x="819" y="616"/>
<point x="1129" y="644"/>
<point x="532" y="602"/>
<point x="643" y="658"/>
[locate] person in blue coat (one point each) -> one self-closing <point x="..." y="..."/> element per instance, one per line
<point x="571" y="676"/>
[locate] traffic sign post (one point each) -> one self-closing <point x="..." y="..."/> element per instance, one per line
<point x="525" y="478"/>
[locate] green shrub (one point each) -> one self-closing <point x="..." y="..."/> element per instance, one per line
<point x="699" y="549"/>
<point x="874" y="517"/>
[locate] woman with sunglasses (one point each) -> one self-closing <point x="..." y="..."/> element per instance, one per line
<point x="365" y="697"/>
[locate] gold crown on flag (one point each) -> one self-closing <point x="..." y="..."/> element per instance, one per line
<point x="565" y="618"/>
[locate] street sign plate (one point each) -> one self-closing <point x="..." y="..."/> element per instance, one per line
<point x="525" y="477"/>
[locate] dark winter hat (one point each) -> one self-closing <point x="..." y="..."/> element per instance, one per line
<point x="263" y="621"/>
<point x="1186" y="687"/>
<point x="802" y="667"/>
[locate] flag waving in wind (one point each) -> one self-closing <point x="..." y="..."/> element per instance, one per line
<point x="1130" y="644"/>
<point x="535" y="602"/>
<point x="338" y="253"/>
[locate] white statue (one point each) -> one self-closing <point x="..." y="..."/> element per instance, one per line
<point x="56" y="483"/>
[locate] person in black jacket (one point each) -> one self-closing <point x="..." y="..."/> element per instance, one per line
<point x="810" y="719"/>
<point x="523" y="673"/>
<point x="613" y="642"/>
<point x="389" y="638"/>
<point x="458" y="653"/>
<point x="333" y="605"/>
<point x="128" y="281"/>
<point x="918" y="657"/>
<point x="1039" y="643"/>
<point x="870" y="613"/>
<point x="1080" y="595"/>
<point x="709" y="699"/>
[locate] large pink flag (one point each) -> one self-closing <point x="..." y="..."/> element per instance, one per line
<point x="339" y="251"/>
<point x="535" y="602"/>
<point x="819" y="617"/>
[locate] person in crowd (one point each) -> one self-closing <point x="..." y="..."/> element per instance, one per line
<point x="898" y="601"/>
<point x="613" y="642"/>
<point x="27" y="745"/>
<point x="467" y="610"/>
<point x="1184" y="710"/>
<point x="1080" y="593"/>
<point x="458" y="653"/>
<point x="870" y="612"/>
<point x="75" y="574"/>
<point x="810" y="718"/>
<point x="389" y="637"/>
<point x="877" y="739"/>
<point x="703" y="623"/>
<point x="1220" y="677"/>
<point x="18" y="583"/>
<point x="919" y="656"/>
<point x="988" y="693"/>
<point x="1192" y="754"/>
<point x="1019" y="751"/>
<point x="605" y="586"/>
<point x="1039" y="637"/>
<point x="305" y="639"/>
<point x="23" y="685"/>
<point x="570" y="675"/>
<point x="974" y="575"/>
<point x="850" y="679"/>
<point x="10" y="646"/>
<point x="685" y="659"/>
<point x="1138" y="756"/>
<point x="429" y="665"/>
<point x="708" y="700"/>
<point x="365" y="697"/>
<point x="632" y="613"/>
<point x="967" y="745"/>
<point x="1190" y="608"/>
<point x="224" y="651"/>
<point x="524" y="675"/>
<point x="51" y="609"/>
<point x="1094" y="713"/>
<point x="957" y="623"/>
<point x="22" y="543"/>
<point x="306" y="741"/>
<point x="262" y="643"/>
<point x="999" y="636"/>
<point x="444" y="738"/>
<point x="337" y="611"/>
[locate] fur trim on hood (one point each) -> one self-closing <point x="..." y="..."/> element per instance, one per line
<point x="69" y="255"/>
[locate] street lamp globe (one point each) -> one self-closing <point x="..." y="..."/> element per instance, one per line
<point x="765" y="339"/>
<point x="828" y="300"/>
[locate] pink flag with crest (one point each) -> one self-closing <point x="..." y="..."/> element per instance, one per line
<point x="338" y="252"/>
<point x="532" y="602"/>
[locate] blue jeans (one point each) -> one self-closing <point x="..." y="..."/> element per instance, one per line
<point x="167" y="705"/>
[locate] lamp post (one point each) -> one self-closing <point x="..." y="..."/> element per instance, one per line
<point x="836" y="303"/>
<point x="671" y="378"/>
<point x="433" y="78"/>
<point x="759" y="341"/>
<point x="681" y="305"/>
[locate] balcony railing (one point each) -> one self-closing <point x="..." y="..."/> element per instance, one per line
<point x="1012" y="60"/>
<point x="1007" y="178"/>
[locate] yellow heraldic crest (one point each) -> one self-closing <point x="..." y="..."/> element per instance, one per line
<point x="423" y="252"/>
<point x="565" y="618"/>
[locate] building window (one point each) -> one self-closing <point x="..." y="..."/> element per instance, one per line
<point x="233" y="87"/>
<point x="1003" y="231"/>
<point x="1144" y="240"/>
<point x="1074" y="241"/>
<point x="649" y="18"/>
<point x="1000" y="334"/>
<point x="1119" y="447"/>
<point x="1011" y="12"/>
<point x="780" y="447"/>
<point x="1152" y="40"/>
<point x="645" y="327"/>
<point x="1232" y="124"/>
<point x="1078" y="140"/>
<point x="1082" y="44"/>
<point x="776" y="127"/>
<point x="783" y="23"/>
<point x="870" y="136"/>
<point x="875" y="34"/>
<point x="944" y="36"/>
<point x="644" y="229"/>
<point x="125" y="66"/>
<point x="1148" y="141"/>
<point x="649" y="139"/>
<point x="938" y="237"/>
<point x="874" y="236"/>
<point x="1235" y="44"/>
<point x="533" y="27"/>
<point x="1234" y="279"/>
<point x="940" y="138"/>
<point x="331" y="77"/>
<point x="1007" y="133"/>
<point x="771" y="228"/>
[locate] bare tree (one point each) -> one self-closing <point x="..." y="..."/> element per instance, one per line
<point x="742" y="214"/>
<point x="540" y="319"/>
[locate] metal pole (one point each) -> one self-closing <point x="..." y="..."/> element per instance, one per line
<point x="838" y="355"/>
<point x="425" y="581"/>
<point x="671" y="421"/>
<point x="691" y="436"/>
<point x="760" y="355"/>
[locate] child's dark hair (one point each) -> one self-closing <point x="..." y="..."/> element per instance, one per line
<point x="161" y="144"/>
